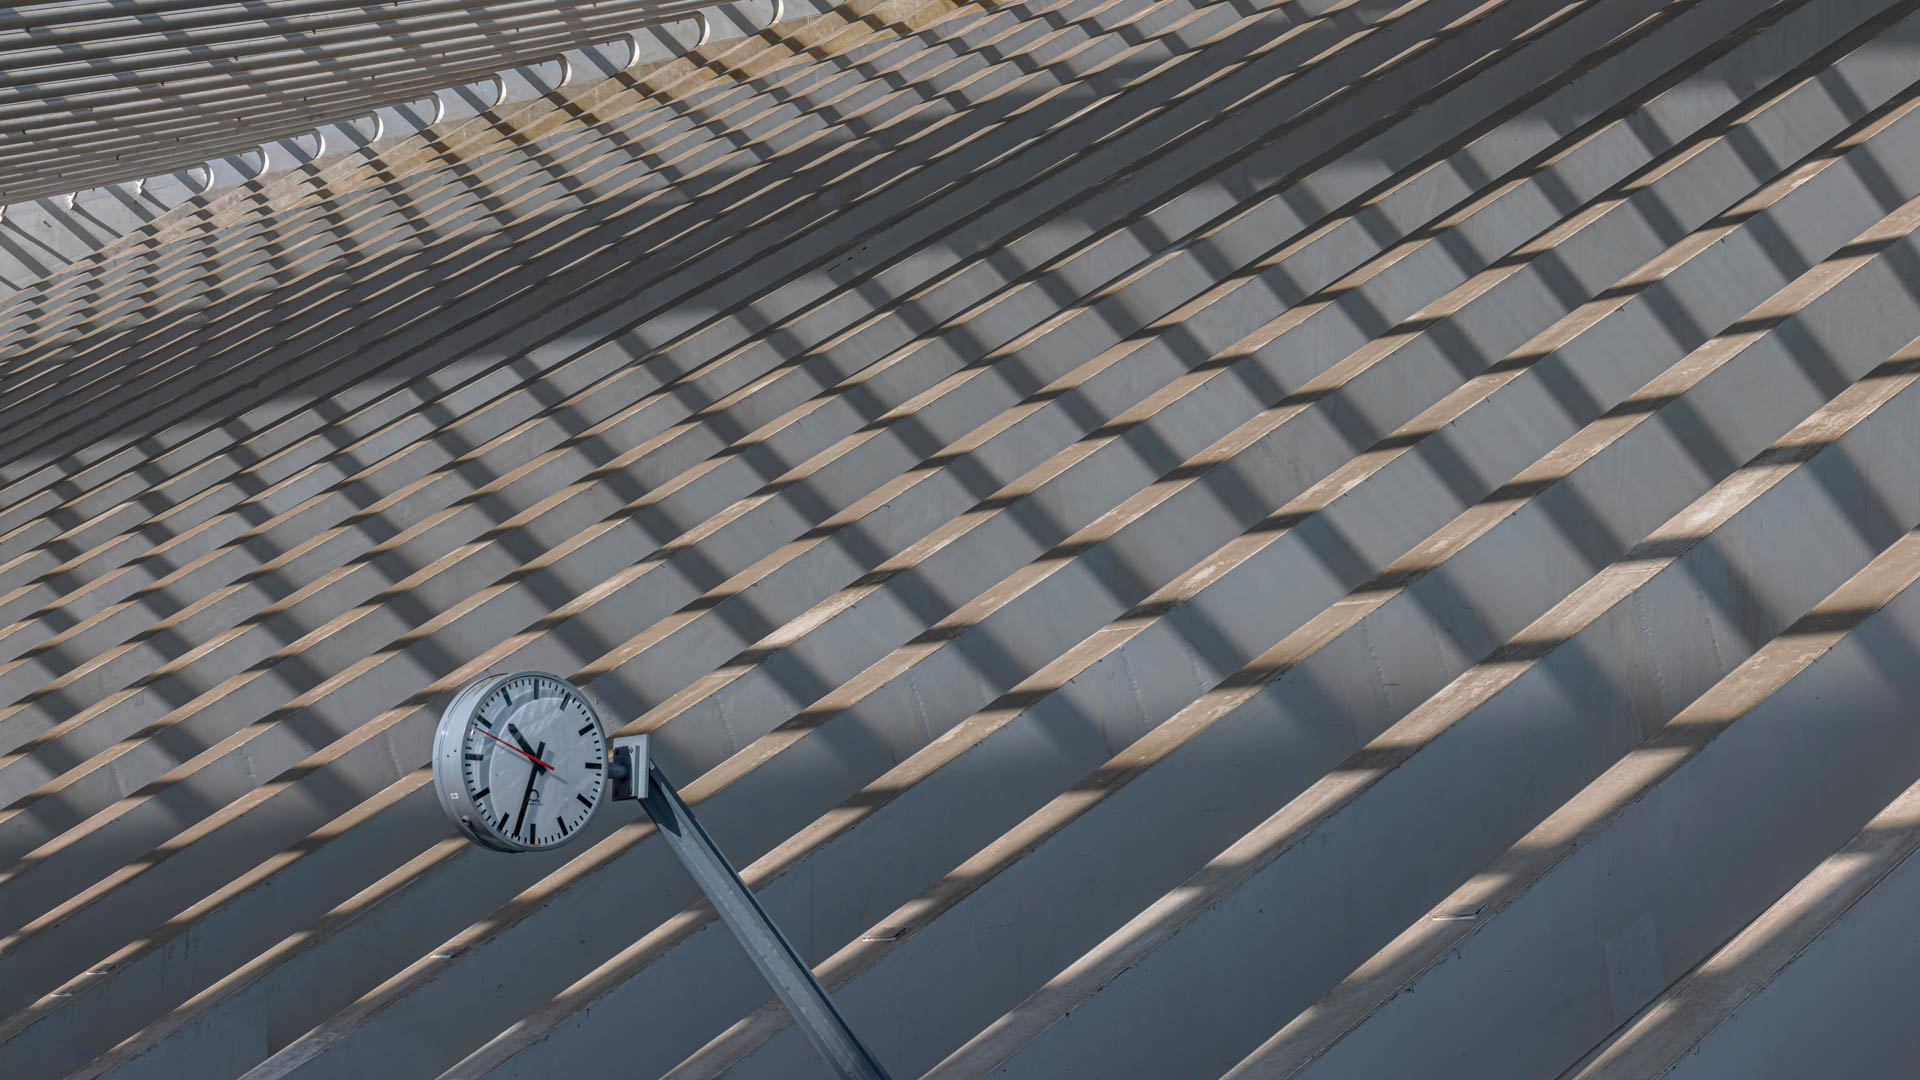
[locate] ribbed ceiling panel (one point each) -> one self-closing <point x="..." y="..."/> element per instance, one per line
<point x="94" y="93"/>
<point x="1167" y="538"/>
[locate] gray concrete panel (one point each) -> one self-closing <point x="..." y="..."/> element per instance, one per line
<point x="1659" y="887"/>
<point x="273" y="466"/>
<point x="1716" y="992"/>
<point x="304" y="1059"/>
<point x="1030" y="446"/>
<point x="1556" y="713"/>
<point x="1843" y="1005"/>
<point x="768" y="685"/>
<point x="420" y="551"/>
<point x="83" y="80"/>
<point x="1136" y="672"/>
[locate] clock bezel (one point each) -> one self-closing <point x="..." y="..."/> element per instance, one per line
<point x="449" y="780"/>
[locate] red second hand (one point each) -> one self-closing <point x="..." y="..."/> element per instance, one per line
<point x="514" y="748"/>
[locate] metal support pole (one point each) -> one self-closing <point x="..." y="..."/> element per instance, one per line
<point x="791" y="978"/>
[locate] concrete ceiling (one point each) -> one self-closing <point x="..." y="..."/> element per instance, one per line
<point x="102" y="91"/>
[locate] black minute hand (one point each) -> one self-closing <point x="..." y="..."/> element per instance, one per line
<point x="532" y="775"/>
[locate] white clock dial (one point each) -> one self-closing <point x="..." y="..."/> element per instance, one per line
<point x="520" y="761"/>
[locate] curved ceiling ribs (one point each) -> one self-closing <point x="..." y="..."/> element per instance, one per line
<point x="1168" y="538"/>
<point x="93" y="93"/>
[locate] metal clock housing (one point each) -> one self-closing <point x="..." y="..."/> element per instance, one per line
<point x="520" y="761"/>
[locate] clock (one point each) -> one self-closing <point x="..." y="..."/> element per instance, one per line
<point x="520" y="761"/>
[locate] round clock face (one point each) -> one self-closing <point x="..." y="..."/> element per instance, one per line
<point x="520" y="761"/>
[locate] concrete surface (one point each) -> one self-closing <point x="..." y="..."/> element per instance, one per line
<point x="1168" y="538"/>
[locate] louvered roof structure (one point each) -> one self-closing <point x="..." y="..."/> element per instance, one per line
<point x="103" y="91"/>
<point x="1168" y="538"/>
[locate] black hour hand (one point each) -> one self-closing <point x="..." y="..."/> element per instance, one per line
<point x="524" y="745"/>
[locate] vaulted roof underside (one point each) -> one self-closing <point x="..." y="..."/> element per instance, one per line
<point x="1244" y="538"/>
<point x="105" y="91"/>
